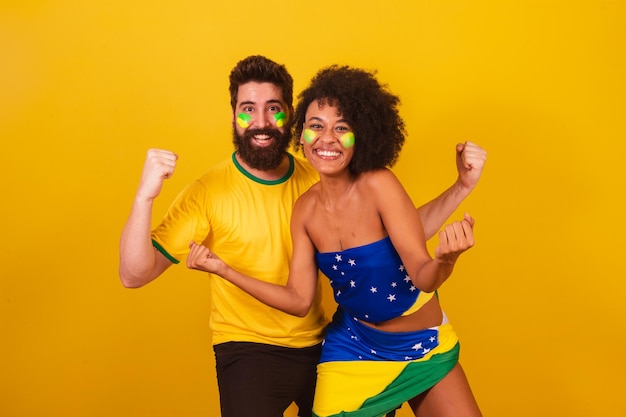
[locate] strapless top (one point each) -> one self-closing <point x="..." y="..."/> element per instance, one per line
<point x="370" y="281"/>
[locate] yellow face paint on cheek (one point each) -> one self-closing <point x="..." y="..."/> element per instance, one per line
<point x="243" y="120"/>
<point x="347" y="140"/>
<point x="309" y="136"/>
<point x="280" y="119"/>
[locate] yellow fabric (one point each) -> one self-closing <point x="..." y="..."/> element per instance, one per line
<point x="245" y="221"/>
<point x="345" y="386"/>
<point x="422" y="299"/>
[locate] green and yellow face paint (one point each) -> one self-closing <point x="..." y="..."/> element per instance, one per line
<point x="309" y="136"/>
<point x="280" y="118"/>
<point x="347" y="140"/>
<point x="243" y="120"/>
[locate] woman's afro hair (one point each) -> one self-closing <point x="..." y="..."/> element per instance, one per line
<point x="366" y="105"/>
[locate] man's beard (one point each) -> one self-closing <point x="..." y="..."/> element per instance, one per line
<point x="262" y="158"/>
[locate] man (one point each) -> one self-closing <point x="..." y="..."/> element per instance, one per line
<point x="241" y="208"/>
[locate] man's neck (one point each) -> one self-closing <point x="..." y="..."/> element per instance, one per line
<point x="266" y="175"/>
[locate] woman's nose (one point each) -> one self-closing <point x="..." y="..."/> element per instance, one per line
<point x="327" y="137"/>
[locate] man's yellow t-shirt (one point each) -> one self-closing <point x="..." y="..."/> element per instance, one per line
<point x="245" y="221"/>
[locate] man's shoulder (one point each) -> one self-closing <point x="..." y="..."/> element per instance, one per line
<point x="218" y="168"/>
<point x="302" y="168"/>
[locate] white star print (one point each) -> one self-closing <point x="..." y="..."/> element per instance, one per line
<point x="373" y="351"/>
<point x="426" y="350"/>
<point x="334" y="267"/>
<point x="417" y="346"/>
<point x="412" y="288"/>
<point x="373" y="289"/>
<point x="401" y="268"/>
<point x="394" y="284"/>
<point x="352" y="283"/>
<point x="352" y="262"/>
<point x="392" y="297"/>
<point x="338" y="293"/>
<point x="407" y="278"/>
<point x="338" y="258"/>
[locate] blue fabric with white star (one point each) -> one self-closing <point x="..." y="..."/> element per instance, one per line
<point x="370" y="281"/>
<point x="347" y="339"/>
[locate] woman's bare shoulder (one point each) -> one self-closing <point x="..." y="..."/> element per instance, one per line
<point x="380" y="179"/>
<point x="308" y="198"/>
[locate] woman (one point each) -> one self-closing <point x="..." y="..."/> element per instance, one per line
<point x="389" y="341"/>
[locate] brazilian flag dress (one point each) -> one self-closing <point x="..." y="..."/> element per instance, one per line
<point x="365" y="372"/>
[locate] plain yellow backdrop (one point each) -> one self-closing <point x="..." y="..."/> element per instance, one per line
<point x="86" y="87"/>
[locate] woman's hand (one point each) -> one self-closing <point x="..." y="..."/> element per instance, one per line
<point x="455" y="239"/>
<point x="202" y="259"/>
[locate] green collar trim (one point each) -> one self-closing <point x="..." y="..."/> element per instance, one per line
<point x="262" y="181"/>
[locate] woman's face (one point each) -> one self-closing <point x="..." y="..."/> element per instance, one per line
<point x="328" y="140"/>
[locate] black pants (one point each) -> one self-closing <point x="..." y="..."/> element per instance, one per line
<point x="259" y="380"/>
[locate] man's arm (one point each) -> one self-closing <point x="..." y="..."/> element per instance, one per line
<point x="470" y="160"/>
<point x="140" y="262"/>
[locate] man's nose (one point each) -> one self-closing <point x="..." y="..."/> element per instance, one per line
<point x="263" y="120"/>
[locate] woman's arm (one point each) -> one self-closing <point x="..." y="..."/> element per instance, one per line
<point x="296" y="297"/>
<point x="404" y="227"/>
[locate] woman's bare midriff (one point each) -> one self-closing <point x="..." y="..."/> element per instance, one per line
<point x="430" y="315"/>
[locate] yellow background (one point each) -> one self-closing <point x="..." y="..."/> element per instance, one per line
<point x="86" y="87"/>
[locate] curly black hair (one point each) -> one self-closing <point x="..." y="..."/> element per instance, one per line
<point x="368" y="107"/>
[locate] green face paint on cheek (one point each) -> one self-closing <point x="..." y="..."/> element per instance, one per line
<point x="309" y="136"/>
<point x="280" y="119"/>
<point x="347" y="140"/>
<point x="243" y="120"/>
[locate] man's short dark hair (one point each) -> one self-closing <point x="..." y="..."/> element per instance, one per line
<point x="257" y="68"/>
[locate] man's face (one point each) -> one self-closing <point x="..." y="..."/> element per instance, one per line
<point x="261" y="132"/>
